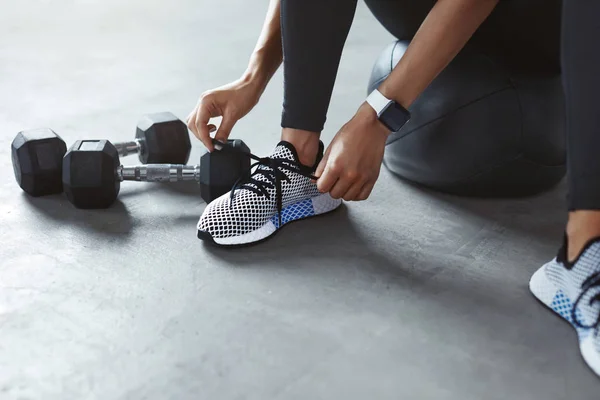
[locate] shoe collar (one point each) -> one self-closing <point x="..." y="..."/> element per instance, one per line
<point x="292" y="149"/>
<point x="563" y="253"/>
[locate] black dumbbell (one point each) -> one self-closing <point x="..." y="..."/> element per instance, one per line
<point x="37" y="154"/>
<point x="159" y="138"/>
<point x="37" y="157"/>
<point x="92" y="173"/>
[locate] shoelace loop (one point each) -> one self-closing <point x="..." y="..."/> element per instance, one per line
<point x="591" y="282"/>
<point x="274" y="174"/>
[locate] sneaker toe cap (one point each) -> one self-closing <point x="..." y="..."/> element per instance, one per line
<point x="221" y="220"/>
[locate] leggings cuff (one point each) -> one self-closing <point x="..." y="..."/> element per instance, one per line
<point x="305" y="124"/>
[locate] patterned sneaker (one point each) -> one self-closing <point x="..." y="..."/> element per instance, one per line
<point x="572" y="290"/>
<point x="279" y="191"/>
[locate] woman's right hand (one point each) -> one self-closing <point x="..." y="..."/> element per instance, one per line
<point x="232" y="102"/>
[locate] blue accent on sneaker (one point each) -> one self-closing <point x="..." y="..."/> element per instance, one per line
<point x="562" y="305"/>
<point x="299" y="210"/>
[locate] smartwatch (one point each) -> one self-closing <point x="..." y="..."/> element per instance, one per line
<point x="390" y="113"/>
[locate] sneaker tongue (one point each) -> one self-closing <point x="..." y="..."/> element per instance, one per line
<point x="283" y="151"/>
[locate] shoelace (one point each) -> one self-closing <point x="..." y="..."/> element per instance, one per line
<point x="591" y="282"/>
<point x="274" y="174"/>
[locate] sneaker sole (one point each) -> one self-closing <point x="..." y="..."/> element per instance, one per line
<point x="558" y="301"/>
<point x="305" y="209"/>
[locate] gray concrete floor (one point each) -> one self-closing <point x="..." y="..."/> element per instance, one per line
<point x="411" y="295"/>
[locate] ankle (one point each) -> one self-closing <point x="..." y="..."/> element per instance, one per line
<point x="583" y="225"/>
<point x="305" y="142"/>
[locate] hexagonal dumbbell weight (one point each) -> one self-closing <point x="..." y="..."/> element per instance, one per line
<point x="37" y="157"/>
<point x="92" y="173"/>
<point x="160" y="138"/>
<point x="37" y="154"/>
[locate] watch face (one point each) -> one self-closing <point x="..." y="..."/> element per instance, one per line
<point x="394" y="116"/>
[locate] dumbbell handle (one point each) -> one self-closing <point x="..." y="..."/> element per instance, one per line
<point x="159" y="173"/>
<point x="127" y="148"/>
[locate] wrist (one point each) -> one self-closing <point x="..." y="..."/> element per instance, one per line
<point x="255" y="76"/>
<point x="402" y="97"/>
<point x="367" y="114"/>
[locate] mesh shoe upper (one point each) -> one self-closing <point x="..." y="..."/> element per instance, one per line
<point x="580" y="282"/>
<point x="247" y="210"/>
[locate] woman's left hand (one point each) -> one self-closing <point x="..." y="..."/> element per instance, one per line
<point x="351" y="164"/>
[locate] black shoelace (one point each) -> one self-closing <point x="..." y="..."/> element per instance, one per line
<point x="591" y="282"/>
<point x="274" y="174"/>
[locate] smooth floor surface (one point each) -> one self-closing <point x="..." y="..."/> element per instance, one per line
<point x="410" y="295"/>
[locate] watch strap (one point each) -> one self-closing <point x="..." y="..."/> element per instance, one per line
<point x="378" y="101"/>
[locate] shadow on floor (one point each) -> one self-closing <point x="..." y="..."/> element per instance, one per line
<point x="341" y="246"/>
<point x="346" y="251"/>
<point x="350" y="257"/>
<point x="115" y="220"/>
<point x="542" y="216"/>
<point x="177" y="188"/>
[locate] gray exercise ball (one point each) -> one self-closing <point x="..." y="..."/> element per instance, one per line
<point x="480" y="128"/>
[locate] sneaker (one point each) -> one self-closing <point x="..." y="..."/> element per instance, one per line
<point x="572" y="290"/>
<point x="278" y="192"/>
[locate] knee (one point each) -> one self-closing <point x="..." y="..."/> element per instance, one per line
<point x="401" y="18"/>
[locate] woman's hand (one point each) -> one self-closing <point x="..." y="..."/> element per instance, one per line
<point x="352" y="161"/>
<point x="351" y="164"/>
<point x="232" y="102"/>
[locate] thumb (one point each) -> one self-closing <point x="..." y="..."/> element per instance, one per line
<point x="322" y="164"/>
<point x="225" y="128"/>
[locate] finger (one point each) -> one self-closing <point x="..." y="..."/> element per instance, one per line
<point x="319" y="170"/>
<point x="322" y="164"/>
<point x="225" y="128"/>
<point x="190" y="116"/>
<point x="328" y="179"/>
<point x="353" y="192"/>
<point x="211" y="128"/>
<point x="365" y="191"/>
<point x="201" y="125"/>
<point x="191" y="122"/>
<point x="341" y="187"/>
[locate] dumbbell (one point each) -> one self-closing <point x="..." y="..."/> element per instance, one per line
<point x="159" y="138"/>
<point x="37" y="154"/>
<point x="37" y="161"/>
<point x="92" y="173"/>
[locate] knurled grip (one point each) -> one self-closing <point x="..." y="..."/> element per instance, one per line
<point x="160" y="173"/>
<point x="164" y="173"/>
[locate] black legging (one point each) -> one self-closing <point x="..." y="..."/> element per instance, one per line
<point x="314" y="33"/>
<point x="581" y="82"/>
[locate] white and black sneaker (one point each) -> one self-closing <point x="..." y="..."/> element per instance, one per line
<point x="278" y="192"/>
<point x="572" y="290"/>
